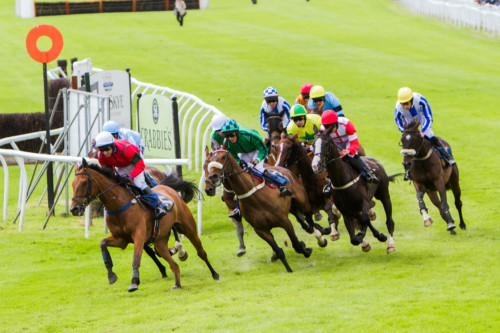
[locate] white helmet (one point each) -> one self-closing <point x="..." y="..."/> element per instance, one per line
<point x="217" y="121"/>
<point x="104" y="139"/>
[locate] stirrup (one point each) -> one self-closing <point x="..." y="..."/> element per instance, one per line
<point x="371" y="178"/>
<point x="284" y="191"/>
<point x="159" y="212"/>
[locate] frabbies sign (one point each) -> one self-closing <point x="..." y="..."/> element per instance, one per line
<point x="156" y="126"/>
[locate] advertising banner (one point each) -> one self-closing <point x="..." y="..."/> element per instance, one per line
<point x="156" y="125"/>
<point x="116" y="85"/>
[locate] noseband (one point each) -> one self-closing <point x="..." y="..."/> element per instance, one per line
<point x="327" y="155"/>
<point x="417" y="151"/>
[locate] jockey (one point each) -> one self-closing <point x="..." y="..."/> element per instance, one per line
<point x="321" y="100"/>
<point x="123" y="133"/>
<point x="413" y="106"/>
<point x="273" y="103"/>
<point x="303" y="124"/>
<point x="246" y="145"/>
<point x="303" y="97"/>
<point x="343" y="133"/>
<point x="216" y="138"/>
<point x="126" y="159"/>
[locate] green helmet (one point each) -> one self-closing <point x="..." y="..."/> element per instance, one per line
<point x="230" y="125"/>
<point x="297" y="110"/>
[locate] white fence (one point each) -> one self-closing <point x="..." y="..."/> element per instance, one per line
<point x="464" y="13"/>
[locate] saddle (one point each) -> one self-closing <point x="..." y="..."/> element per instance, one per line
<point x="151" y="199"/>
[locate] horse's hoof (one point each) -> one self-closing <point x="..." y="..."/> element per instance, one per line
<point x="274" y="257"/>
<point x="318" y="216"/>
<point x="335" y="237"/>
<point x="175" y="287"/>
<point x="463" y="226"/>
<point x="241" y="252"/>
<point x="112" y="278"/>
<point x="133" y="287"/>
<point x="428" y="222"/>
<point x="323" y="243"/>
<point x="451" y="226"/>
<point x="307" y="252"/>
<point x="382" y="238"/>
<point x="366" y="248"/>
<point x="452" y="232"/>
<point x="183" y="255"/>
<point x="391" y="250"/>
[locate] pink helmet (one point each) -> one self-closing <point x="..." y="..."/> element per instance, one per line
<point x="329" y="117"/>
<point x="306" y="88"/>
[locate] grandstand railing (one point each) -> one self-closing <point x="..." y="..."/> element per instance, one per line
<point x="463" y="13"/>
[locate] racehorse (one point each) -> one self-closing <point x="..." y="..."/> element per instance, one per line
<point x="261" y="206"/>
<point x="158" y="176"/>
<point x="293" y="156"/>
<point x="228" y="197"/>
<point x="132" y="223"/>
<point x="351" y="194"/>
<point x="429" y="175"/>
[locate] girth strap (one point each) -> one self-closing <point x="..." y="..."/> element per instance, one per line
<point x="124" y="208"/>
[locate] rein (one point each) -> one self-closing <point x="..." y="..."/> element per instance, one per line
<point x="429" y="153"/>
<point x="88" y="197"/>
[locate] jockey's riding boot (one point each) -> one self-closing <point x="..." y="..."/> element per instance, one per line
<point x="159" y="212"/>
<point x="236" y="214"/>
<point x="444" y="151"/>
<point x="327" y="189"/>
<point x="147" y="190"/>
<point x="366" y="172"/>
<point x="284" y="191"/>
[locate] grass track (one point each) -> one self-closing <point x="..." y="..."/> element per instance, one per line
<point x="54" y="280"/>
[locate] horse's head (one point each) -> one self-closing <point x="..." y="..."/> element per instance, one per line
<point x="84" y="189"/>
<point x="285" y="149"/>
<point x="324" y="151"/>
<point x="411" y="139"/>
<point x="218" y="165"/>
<point x="209" y="188"/>
<point x="93" y="152"/>
<point x="274" y="128"/>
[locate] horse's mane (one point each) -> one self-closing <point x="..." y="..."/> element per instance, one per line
<point x="107" y="172"/>
<point x="412" y="125"/>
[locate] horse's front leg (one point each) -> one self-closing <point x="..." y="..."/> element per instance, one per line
<point x="443" y="209"/>
<point x="136" y="263"/>
<point x="113" y="242"/>
<point x="421" y="204"/>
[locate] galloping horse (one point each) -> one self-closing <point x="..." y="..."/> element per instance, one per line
<point x="293" y="156"/>
<point x="261" y="206"/>
<point x="132" y="223"/>
<point x="228" y="197"/>
<point x="429" y="176"/>
<point x="351" y="194"/>
<point x="158" y="176"/>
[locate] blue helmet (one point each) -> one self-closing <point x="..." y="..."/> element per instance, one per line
<point x="270" y="92"/>
<point x="111" y="127"/>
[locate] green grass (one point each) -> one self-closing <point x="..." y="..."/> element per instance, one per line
<point x="54" y="280"/>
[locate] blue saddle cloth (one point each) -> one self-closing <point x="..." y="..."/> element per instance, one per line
<point x="154" y="199"/>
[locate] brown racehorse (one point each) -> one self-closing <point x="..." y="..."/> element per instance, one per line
<point x="274" y="130"/>
<point x="430" y="176"/>
<point x="351" y="194"/>
<point x="96" y="208"/>
<point x="228" y="197"/>
<point x="131" y="222"/>
<point x="293" y="156"/>
<point x="261" y="206"/>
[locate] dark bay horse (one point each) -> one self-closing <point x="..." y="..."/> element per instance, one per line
<point x="291" y="154"/>
<point x="261" y="206"/>
<point x="228" y="197"/>
<point x="274" y="130"/>
<point x="430" y="176"/>
<point x="132" y="223"/>
<point x="351" y="194"/>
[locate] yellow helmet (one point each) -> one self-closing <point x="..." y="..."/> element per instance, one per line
<point x="405" y="95"/>
<point x="317" y="91"/>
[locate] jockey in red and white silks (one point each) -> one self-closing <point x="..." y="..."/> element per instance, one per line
<point x="345" y="137"/>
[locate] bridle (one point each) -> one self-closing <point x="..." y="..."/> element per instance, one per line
<point x="222" y="167"/>
<point x="88" y="197"/>
<point x="417" y="151"/>
<point x="292" y="158"/>
<point x="327" y="159"/>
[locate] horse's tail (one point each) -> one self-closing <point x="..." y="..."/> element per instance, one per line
<point x="392" y="178"/>
<point x="186" y="188"/>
